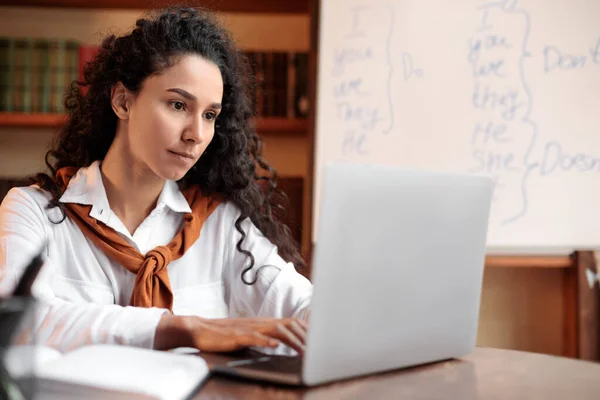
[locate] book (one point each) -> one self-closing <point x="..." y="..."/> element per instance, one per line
<point x="58" y="55"/>
<point x="19" y="74"/>
<point x="7" y="66"/>
<point x="105" y="371"/>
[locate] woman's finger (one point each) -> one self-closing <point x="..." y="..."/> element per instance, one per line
<point x="288" y="337"/>
<point x="257" y="339"/>
<point x="298" y="330"/>
<point x="304" y="322"/>
<point x="282" y="329"/>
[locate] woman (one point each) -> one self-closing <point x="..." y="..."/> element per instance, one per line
<point x="154" y="204"/>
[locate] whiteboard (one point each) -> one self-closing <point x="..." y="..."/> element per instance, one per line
<point x="508" y="89"/>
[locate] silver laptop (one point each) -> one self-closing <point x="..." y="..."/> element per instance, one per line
<point x="397" y="274"/>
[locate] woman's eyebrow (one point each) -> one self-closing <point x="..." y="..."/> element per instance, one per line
<point x="183" y="93"/>
<point x="189" y="96"/>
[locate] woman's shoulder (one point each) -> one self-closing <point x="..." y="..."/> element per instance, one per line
<point x="26" y="199"/>
<point x="227" y="214"/>
<point x="24" y="194"/>
<point x="227" y="209"/>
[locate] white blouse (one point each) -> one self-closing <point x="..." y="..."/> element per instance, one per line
<point x="84" y="295"/>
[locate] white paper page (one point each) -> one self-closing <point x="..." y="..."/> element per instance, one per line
<point x="22" y="360"/>
<point x="122" y="368"/>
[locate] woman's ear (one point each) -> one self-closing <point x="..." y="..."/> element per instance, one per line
<point x="120" y="99"/>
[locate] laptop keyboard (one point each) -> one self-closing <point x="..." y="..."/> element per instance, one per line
<point x="282" y="364"/>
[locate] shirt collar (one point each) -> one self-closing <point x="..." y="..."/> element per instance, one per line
<point x="87" y="188"/>
<point x="172" y="197"/>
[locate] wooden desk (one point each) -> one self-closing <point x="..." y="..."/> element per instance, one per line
<point x="485" y="374"/>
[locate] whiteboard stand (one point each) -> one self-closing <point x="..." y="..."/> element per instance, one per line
<point x="585" y="321"/>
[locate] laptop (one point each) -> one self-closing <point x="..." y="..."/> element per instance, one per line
<point x="397" y="273"/>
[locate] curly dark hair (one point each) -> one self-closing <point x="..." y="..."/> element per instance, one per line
<point x="232" y="165"/>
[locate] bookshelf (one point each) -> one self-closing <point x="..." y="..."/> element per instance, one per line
<point x="30" y="120"/>
<point x="237" y="6"/>
<point x="264" y="126"/>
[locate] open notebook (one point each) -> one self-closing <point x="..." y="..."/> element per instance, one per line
<point x="106" y="372"/>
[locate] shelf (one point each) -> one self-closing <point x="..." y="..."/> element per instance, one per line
<point x="239" y="6"/>
<point x="26" y="120"/>
<point x="529" y="261"/>
<point x="265" y="126"/>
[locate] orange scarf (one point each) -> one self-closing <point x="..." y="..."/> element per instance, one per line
<point x="152" y="286"/>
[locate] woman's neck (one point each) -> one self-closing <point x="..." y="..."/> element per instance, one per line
<point x="132" y="190"/>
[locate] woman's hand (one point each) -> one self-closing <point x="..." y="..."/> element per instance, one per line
<point x="225" y="335"/>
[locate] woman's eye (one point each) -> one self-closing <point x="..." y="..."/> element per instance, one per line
<point x="210" y="116"/>
<point x="178" y="105"/>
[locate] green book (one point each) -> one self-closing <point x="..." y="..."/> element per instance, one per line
<point x="19" y="72"/>
<point x="28" y="69"/>
<point x="44" y="75"/>
<point x="72" y="69"/>
<point x="5" y="66"/>
<point x="58" y="57"/>
<point x="12" y="49"/>
<point x="39" y="65"/>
